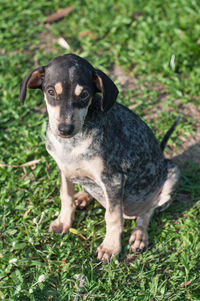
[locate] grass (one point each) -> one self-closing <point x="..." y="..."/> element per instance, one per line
<point x="157" y="44"/>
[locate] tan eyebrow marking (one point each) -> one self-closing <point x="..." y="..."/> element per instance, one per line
<point x="78" y="90"/>
<point x="58" y="88"/>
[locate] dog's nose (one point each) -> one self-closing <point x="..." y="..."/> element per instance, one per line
<point x="66" y="129"/>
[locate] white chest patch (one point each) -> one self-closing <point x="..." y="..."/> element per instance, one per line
<point x="72" y="160"/>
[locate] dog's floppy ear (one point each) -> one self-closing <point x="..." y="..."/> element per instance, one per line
<point x="106" y="86"/>
<point x="32" y="81"/>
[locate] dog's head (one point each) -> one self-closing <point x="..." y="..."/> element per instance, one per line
<point x="69" y="84"/>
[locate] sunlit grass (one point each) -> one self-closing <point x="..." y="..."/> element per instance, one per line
<point x="157" y="44"/>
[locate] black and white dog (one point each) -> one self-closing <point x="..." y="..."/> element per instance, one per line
<point x="104" y="147"/>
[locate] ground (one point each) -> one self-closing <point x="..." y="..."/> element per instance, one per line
<point x="151" y="49"/>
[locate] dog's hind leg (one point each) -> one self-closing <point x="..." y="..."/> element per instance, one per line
<point x="82" y="199"/>
<point x="139" y="237"/>
<point x="173" y="176"/>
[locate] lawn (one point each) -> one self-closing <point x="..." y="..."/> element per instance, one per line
<point x="151" y="49"/>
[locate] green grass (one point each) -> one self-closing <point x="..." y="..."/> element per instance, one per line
<point x="157" y="44"/>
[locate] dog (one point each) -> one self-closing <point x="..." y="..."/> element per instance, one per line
<point x="104" y="147"/>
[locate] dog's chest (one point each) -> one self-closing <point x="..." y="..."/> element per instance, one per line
<point x="74" y="160"/>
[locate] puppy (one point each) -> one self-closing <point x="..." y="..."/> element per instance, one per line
<point x="104" y="147"/>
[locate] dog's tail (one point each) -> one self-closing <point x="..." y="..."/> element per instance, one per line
<point x="169" y="132"/>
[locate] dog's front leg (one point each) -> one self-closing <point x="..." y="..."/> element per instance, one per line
<point x="64" y="221"/>
<point x="111" y="244"/>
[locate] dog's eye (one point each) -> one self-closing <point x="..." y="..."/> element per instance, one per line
<point x="51" y="92"/>
<point x="84" y="94"/>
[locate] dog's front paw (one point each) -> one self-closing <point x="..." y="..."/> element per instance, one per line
<point x="138" y="240"/>
<point x="58" y="226"/>
<point x="105" y="252"/>
<point x="82" y="199"/>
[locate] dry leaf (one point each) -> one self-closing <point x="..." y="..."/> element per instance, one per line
<point x="83" y="34"/>
<point x="27" y="212"/>
<point x="184" y="284"/>
<point x="59" y="14"/>
<point x="63" y="43"/>
<point x="74" y="231"/>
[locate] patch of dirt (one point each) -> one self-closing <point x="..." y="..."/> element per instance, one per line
<point x="127" y="82"/>
<point x="191" y="154"/>
<point x="190" y="147"/>
<point x="47" y="40"/>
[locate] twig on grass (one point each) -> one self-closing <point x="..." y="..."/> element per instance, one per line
<point x="30" y="163"/>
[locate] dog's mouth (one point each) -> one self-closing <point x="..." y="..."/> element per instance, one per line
<point x="66" y="136"/>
